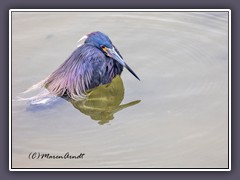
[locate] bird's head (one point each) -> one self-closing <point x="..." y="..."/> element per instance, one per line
<point x="103" y="43"/>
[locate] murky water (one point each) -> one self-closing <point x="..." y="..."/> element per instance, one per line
<point x="180" y="115"/>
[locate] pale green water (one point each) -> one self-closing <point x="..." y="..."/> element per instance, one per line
<point x="182" y="119"/>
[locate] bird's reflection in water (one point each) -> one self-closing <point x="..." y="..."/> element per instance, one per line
<point x="96" y="61"/>
<point x="104" y="101"/>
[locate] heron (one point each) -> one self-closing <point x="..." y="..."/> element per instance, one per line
<point x="93" y="63"/>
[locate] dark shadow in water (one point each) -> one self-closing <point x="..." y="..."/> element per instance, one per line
<point x="104" y="101"/>
<point x="100" y="104"/>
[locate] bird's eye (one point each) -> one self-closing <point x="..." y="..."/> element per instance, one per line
<point x="104" y="48"/>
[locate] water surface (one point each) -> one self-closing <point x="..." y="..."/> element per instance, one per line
<point x="182" y="119"/>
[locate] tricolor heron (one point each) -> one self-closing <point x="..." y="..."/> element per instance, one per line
<point x="97" y="61"/>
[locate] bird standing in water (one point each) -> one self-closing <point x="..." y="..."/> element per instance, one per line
<point x="97" y="61"/>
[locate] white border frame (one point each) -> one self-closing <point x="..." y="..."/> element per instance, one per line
<point x="117" y="10"/>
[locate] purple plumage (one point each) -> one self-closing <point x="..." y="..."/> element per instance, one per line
<point x="95" y="62"/>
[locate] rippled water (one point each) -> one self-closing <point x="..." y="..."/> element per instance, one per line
<point x="181" y="118"/>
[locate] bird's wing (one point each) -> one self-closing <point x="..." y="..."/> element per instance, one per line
<point x="77" y="74"/>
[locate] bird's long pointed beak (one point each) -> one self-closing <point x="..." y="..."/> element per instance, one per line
<point x="112" y="53"/>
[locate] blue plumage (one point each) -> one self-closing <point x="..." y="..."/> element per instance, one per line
<point x="95" y="62"/>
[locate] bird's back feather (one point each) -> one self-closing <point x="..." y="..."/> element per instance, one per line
<point x="86" y="68"/>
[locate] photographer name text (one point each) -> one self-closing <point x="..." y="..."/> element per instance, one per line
<point x="67" y="155"/>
